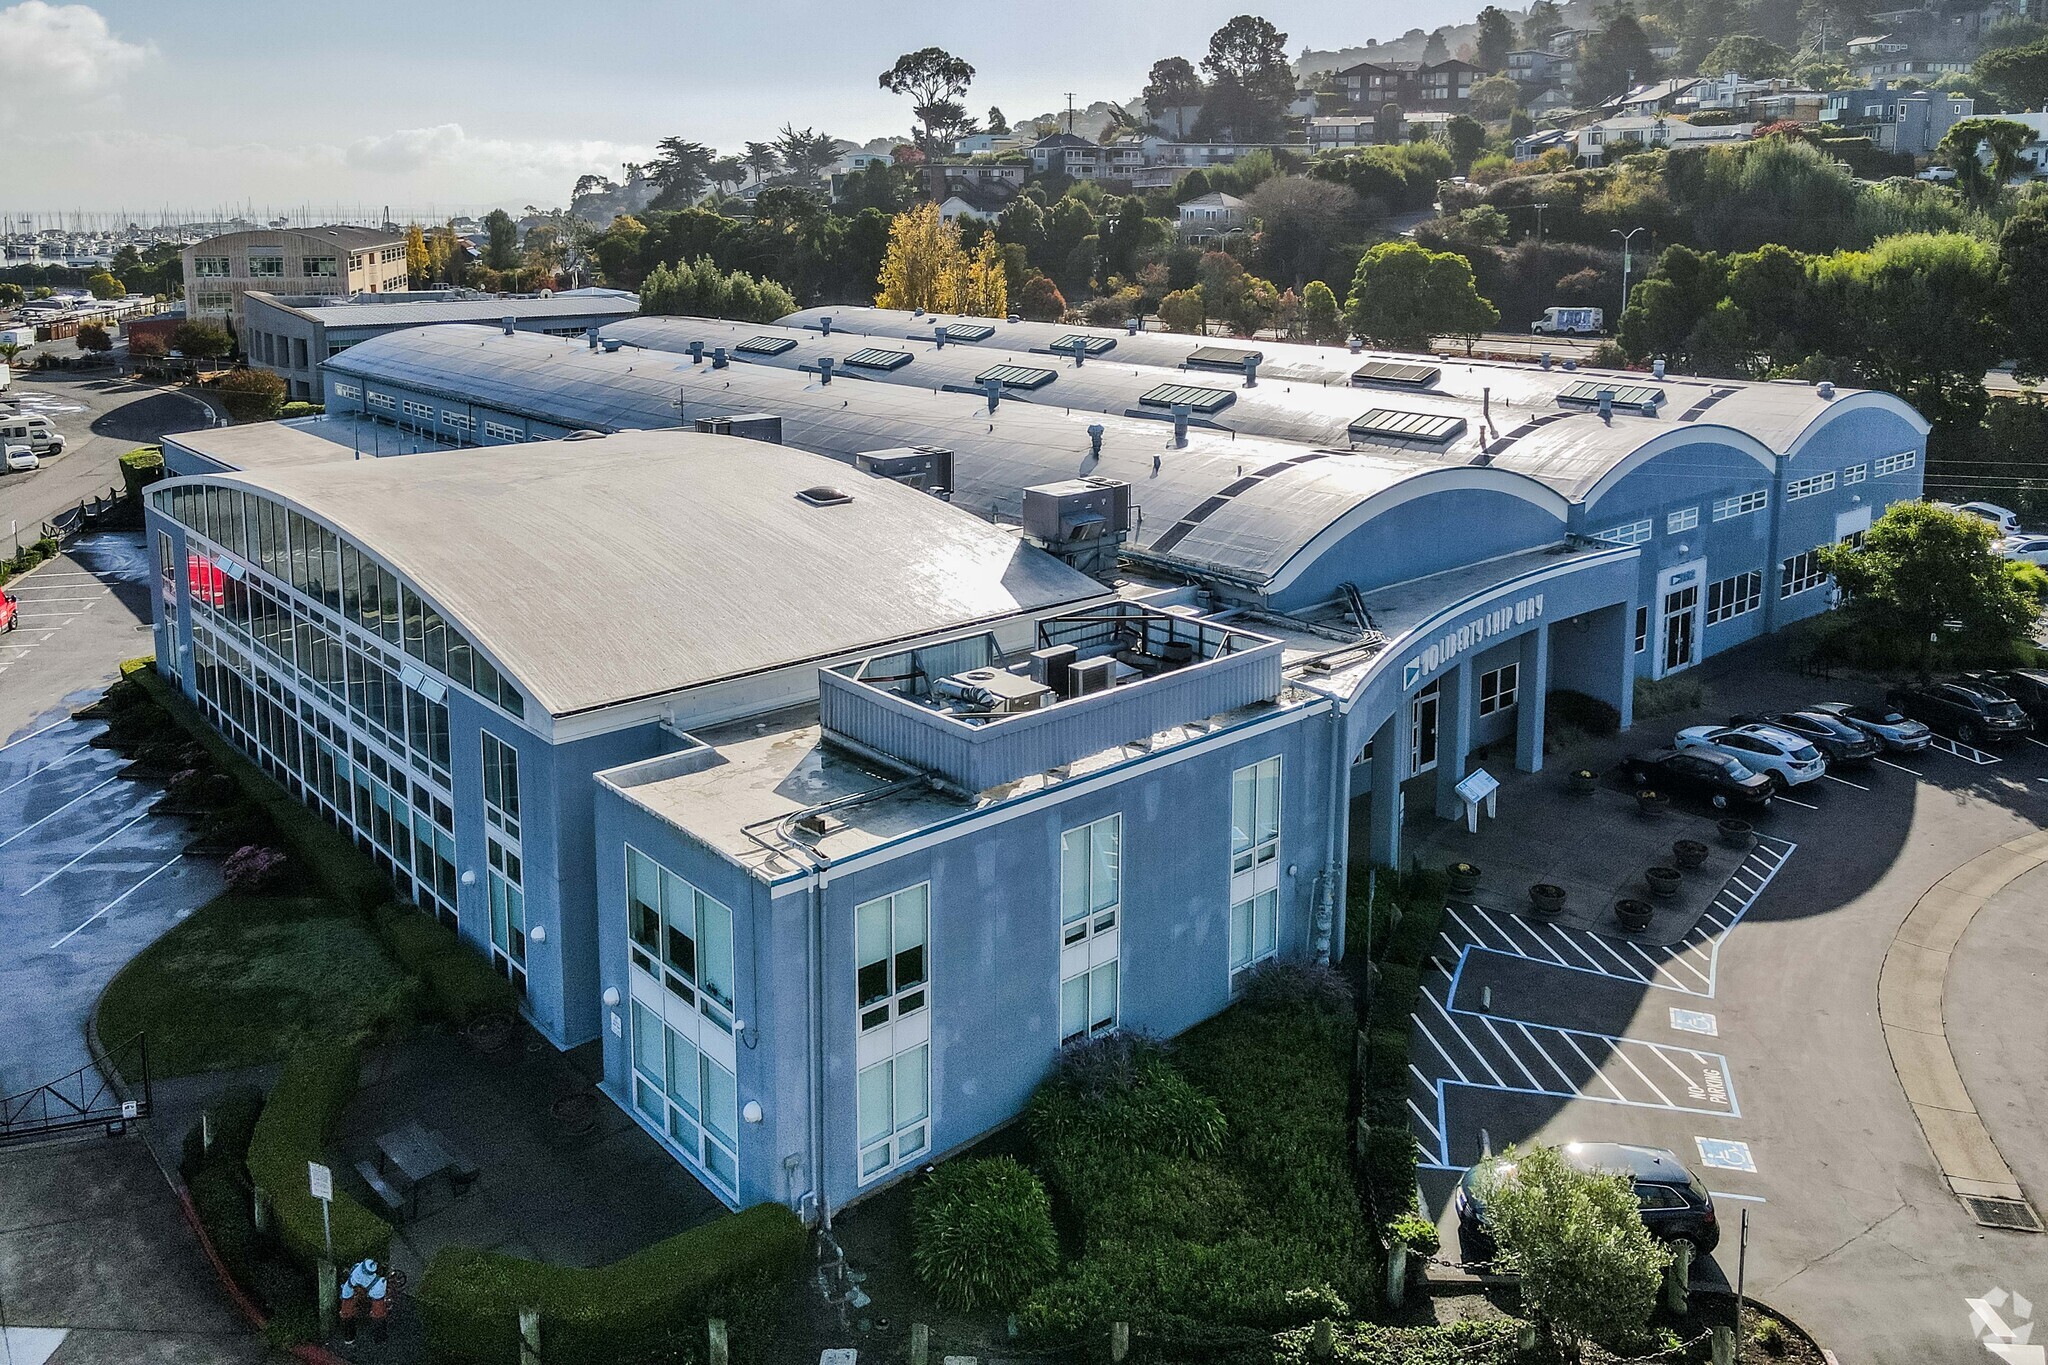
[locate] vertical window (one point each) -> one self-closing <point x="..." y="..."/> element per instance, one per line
<point x="1088" y="1003"/>
<point x="892" y="962"/>
<point x="501" y="784"/>
<point x="1800" y="573"/>
<point x="680" y="937"/>
<point x="895" y="1106"/>
<point x="643" y="911"/>
<point x="1091" y="878"/>
<point x="1497" y="689"/>
<point x="1254" y="933"/>
<point x="1642" y="629"/>
<point x="1255" y="815"/>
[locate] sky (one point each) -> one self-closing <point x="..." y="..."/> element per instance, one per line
<point x="433" y="106"/>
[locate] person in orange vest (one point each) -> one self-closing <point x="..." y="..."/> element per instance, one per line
<point x="365" y="1280"/>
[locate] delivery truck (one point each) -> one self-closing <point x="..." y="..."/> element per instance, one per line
<point x="1578" y="322"/>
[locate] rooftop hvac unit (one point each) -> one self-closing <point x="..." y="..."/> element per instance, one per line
<point x="756" y="426"/>
<point x="995" y="690"/>
<point x="926" y="468"/>
<point x="1095" y="675"/>
<point x="1055" y="667"/>
<point x="1077" y="509"/>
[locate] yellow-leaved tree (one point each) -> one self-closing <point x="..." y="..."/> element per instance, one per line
<point x="980" y="286"/>
<point x="923" y="262"/>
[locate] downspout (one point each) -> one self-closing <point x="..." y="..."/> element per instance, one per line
<point x="817" y="1067"/>
<point x="1334" y="886"/>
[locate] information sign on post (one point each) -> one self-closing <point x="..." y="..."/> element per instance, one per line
<point x="321" y="1181"/>
<point x="1479" y="786"/>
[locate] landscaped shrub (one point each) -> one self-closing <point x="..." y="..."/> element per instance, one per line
<point x="1668" y="696"/>
<point x="984" y="1234"/>
<point x="140" y="468"/>
<point x="1386" y="1067"/>
<point x="313" y="1087"/>
<point x="1291" y="985"/>
<point x="218" y="1184"/>
<point x="1263" y="1233"/>
<point x="1415" y="937"/>
<point x="252" y="868"/>
<point x="1389" y="1165"/>
<point x="1581" y="712"/>
<point x="1473" y="1341"/>
<point x="1118" y="1090"/>
<point x="301" y="409"/>
<point x="1415" y="1232"/>
<point x="651" y="1306"/>
<point x="462" y="987"/>
<point x="1393" y="997"/>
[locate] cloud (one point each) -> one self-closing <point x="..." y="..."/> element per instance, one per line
<point x="447" y="147"/>
<point x="64" y="50"/>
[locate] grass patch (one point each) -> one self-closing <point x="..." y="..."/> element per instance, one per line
<point x="1669" y="696"/>
<point x="1189" y="1226"/>
<point x="247" y="979"/>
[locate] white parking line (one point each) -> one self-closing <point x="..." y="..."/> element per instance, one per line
<point x="139" y="818"/>
<point x="1845" y="782"/>
<point x="1441" y="1051"/>
<point x="1723" y="1194"/>
<point x="1791" y="802"/>
<point x="1544" y="1053"/>
<point x="1498" y="1079"/>
<point x="57" y="812"/>
<point x="1419" y="1118"/>
<point x="1592" y="1066"/>
<point x="115" y="901"/>
<point x="2037" y="743"/>
<point x="53" y="725"/>
<point x="1900" y="766"/>
<point x="1967" y="752"/>
<point x="1621" y="1051"/>
<point x="58" y="761"/>
<point x="1513" y="1055"/>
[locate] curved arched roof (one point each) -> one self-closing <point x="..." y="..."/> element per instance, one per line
<point x="599" y="572"/>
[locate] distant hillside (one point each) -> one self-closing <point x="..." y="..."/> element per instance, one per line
<point x="1409" y="46"/>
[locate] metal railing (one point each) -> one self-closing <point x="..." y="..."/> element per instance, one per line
<point x="86" y="1098"/>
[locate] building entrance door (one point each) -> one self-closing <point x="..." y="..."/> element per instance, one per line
<point x="1422" y="731"/>
<point x="1680" y="643"/>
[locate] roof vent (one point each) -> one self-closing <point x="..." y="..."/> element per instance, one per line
<point x="824" y="496"/>
<point x="584" y="435"/>
<point x="1826" y="388"/>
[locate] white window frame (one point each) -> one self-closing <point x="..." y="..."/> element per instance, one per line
<point x="906" y="1133"/>
<point x="1094" y="919"/>
<point x="1738" y="595"/>
<point x="381" y="400"/>
<point x="673" y="895"/>
<point x="498" y="431"/>
<point x="1741" y="504"/>
<point x="1684" y="519"/>
<point x="673" y="1102"/>
<point x="1628" y="533"/>
<point x="1262" y="843"/>
<point x="1506" y="684"/>
<point x="1801" y="573"/>
<point x="1855" y="473"/>
<point x="1254" y="933"/>
<point x="1810" y="487"/>
<point x="1100" y="989"/>
<point x="456" y="421"/>
<point x="342" y="390"/>
<point x="899" y="998"/>
<point x="1642" y="629"/>
<point x="1897" y="464"/>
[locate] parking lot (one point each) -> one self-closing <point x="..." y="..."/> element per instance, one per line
<point x="1745" y="1034"/>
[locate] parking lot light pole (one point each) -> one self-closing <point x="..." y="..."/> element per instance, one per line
<point x="1626" y="259"/>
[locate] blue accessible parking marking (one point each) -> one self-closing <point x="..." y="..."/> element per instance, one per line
<point x="1694" y="1021"/>
<point x="1725" y="1154"/>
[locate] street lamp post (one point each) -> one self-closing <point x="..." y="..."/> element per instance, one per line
<point x="1626" y="259"/>
<point x="1539" y="221"/>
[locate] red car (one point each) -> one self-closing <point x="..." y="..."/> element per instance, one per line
<point x="10" y="606"/>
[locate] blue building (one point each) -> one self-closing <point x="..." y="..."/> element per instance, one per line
<point x="836" y="770"/>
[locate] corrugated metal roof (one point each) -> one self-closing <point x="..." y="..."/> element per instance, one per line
<point x="420" y="312"/>
<point x="601" y="571"/>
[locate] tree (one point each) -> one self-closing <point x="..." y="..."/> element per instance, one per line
<point x="762" y="160"/>
<point x="144" y="346"/>
<point x="1668" y="303"/>
<point x="727" y="171"/>
<point x="1174" y="87"/>
<point x="419" y="264"/>
<point x="2023" y="278"/>
<point x="923" y="258"/>
<point x="1922" y="312"/>
<point x="1544" y="20"/>
<point x="1041" y="300"/>
<point x="1496" y="97"/>
<point x="1747" y="55"/>
<point x="1466" y="137"/>
<point x="681" y="172"/>
<point x="201" y="340"/>
<point x="252" y="395"/>
<point x="1300" y="221"/>
<point x="1320" y="320"/>
<point x="1184" y="311"/>
<point x="935" y="80"/>
<point x="980" y="285"/>
<point x="995" y="122"/>
<point x="1403" y="295"/>
<point x="1616" y="59"/>
<point x="102" y="285"/>
<point x="700" y="289"/>
<point x="11" y="293"/>
<point x="2019" y="74"/>
<point x="1496" y="39"/>
<point x="1389" y="124"/>
<point x="805" y="154"/>
<point x="501" y="248"/>
<point x="92" y="336"/>
<point x="1985" y="153"/>
<point x="1922" y="567"/>
<point x="1436" y="49"/>
<point x="1248" y="61"/>
<point x="1589" y="1268"/>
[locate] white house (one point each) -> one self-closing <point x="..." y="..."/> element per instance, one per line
<point x="1212" y="215"/>
<point x="2035" y="155"/>
<point x="1339" y="131"/>
<point x="1595" y="138"/>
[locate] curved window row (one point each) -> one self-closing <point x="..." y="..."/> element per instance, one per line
<point x="331" y="572"/>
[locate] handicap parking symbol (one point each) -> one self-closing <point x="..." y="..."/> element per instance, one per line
<point x="1724" y="1154"/>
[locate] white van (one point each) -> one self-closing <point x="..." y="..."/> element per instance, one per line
<point x="34" y="432"/>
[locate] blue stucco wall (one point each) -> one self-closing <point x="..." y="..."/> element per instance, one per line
<point x="1427" y="535"/>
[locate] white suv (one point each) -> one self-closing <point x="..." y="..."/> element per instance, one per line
<point x="1785" y="758"/>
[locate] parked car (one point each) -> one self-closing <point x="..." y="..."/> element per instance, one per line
<point x="1837" y="740"/>
<point x="1786" y="759"/>
<point x="10" y="611"/>
<point x="2026" y="549"/>
<point x="1723" y="781"/>
<point x="1888" y="725"/>
<point x="2027" y="686"/>
<point x="20" y="459"/>
<point x="1967" y="712"/>
<point x="1675" y="1207"/>
<point x="2003" y="519"/>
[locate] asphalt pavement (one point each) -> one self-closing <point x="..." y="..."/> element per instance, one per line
<point x="1752" y="1047"/>
<point x="102" y="417"/>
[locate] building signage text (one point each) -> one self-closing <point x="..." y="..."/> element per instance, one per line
<point x="1477" y="631"/>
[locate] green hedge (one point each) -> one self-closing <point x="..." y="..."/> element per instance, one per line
<point x="983" y="1234"/>
<point x="313" y="1087"/>
<point x="1473" y="1341"/>
<point x="1583" y="712"/>
<point x="301" y="409"/>
<point x="218" y="1184"/>
<point x="343" y="868"/>
<point x="140" y="468"/>
<point x="651" y="1306"/>
<point x="1388" y="1161"/>
<point x="461" y="984"/>
<point x="30" y="555"/>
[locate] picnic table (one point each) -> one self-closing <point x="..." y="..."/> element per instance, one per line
<point x="417" y="1154"/>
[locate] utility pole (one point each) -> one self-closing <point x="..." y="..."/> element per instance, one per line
<point x="1070" y="113"/>
<point x="1626" y="259"/>
<point x="1539" y="221"/>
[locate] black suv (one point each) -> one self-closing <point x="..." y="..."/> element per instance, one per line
<point x="1838" y="741"/>
<point x="1674" y="1205"/>
<point x="2028" y="687"/>
<point x="1718" y="777"/>
<point x="1970" y="712"/>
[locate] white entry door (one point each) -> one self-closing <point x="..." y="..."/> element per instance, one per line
<point x="1681" y="613"/>
<point x="1422" y="731"/>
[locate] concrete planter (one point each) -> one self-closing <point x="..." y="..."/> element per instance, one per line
<point x="1689" y="854"/>
<point x="1585" y="782"/>
<point x="1737" y="833"/>
<point x="1546" y="899"/>
<point x="1652" y="804"/>
<point x="1634" y="915"/>
<point x="1464" y="878"/>
<point x="1662" y="881"/>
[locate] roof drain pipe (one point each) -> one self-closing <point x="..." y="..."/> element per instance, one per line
<point x="1607" y="406"/>
<point x="938" y="338"/>
<point x="824" y="369"/>
<point x="1329" y="924"/>
<point x="591" y="334"/>
<point x="994" y="389"/>
<point x="1181" y="413"/>
<point x="1131" y="326"/>
<point x="1657" y="370"/>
